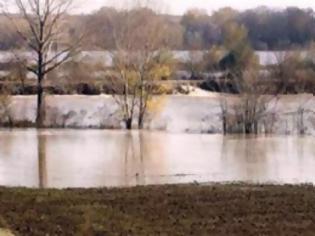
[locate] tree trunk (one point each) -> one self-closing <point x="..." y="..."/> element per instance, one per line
<point x="302" y="128"/>
<point x="129" y="123"/>
<point x="42" y="165"/>
<point x="11" y="122"/>
<point x="224" y="120"/>
<point x="256" y="127"/>
<point x="248" y="128"/>
<point x="141" y="106"/>
<point x="39" y="115"/>
<point x="140" y="121"/>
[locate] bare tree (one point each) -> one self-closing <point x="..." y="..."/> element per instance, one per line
<point x="5" y="107"/>
<point x="253" y="100"/>
<point x="44" y="21"/>
<point x="294" y="71"/>
<point x="243" y="112"/>
<point x="194" y="64"/>
<point x="18" y="72"/>
<point x="140" y="59"/>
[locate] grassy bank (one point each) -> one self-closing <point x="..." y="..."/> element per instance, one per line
<point x="165" y="210"/>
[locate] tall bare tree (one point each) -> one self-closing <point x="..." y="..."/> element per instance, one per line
<point x="140" y="59"/>
<point x="44" y="21"/>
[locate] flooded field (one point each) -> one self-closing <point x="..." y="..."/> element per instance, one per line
<point x="96" y="158"/>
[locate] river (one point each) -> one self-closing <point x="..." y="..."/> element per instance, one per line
<point x="97" y="158"/>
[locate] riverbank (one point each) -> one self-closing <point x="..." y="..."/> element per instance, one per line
<point x="199" y="112"/>
<point x="232" y="209"/>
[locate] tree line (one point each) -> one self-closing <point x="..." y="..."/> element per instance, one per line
<point x="268" y="29"/>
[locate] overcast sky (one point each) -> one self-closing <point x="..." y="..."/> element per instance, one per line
<point x="180" y="6"/>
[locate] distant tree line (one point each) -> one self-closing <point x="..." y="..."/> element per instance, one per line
<point x="268" y="29"/>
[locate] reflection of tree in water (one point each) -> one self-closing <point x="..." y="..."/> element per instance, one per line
<point x="145" y="161"/>
<point x="255" y="157"/>
<point x="141" y="175"/>
<point x="247" y="156"/>
<point x="7" y="144"/>
<point x="301" y="143"/>
<point x="42" y="167"/>
<point x="303" y="149"/>
<point x="134" y="158"/>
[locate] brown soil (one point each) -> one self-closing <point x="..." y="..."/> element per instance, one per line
<point x="234" y="209"/>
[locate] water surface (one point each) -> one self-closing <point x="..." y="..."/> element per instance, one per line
<point x="97" y="158"/>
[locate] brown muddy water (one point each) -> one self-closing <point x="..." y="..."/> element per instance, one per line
<point x="97" y="158"/>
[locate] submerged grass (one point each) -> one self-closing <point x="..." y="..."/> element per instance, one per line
<point x="232" y="209"/>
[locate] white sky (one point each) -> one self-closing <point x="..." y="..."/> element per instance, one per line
<point x="180" y="6"/>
